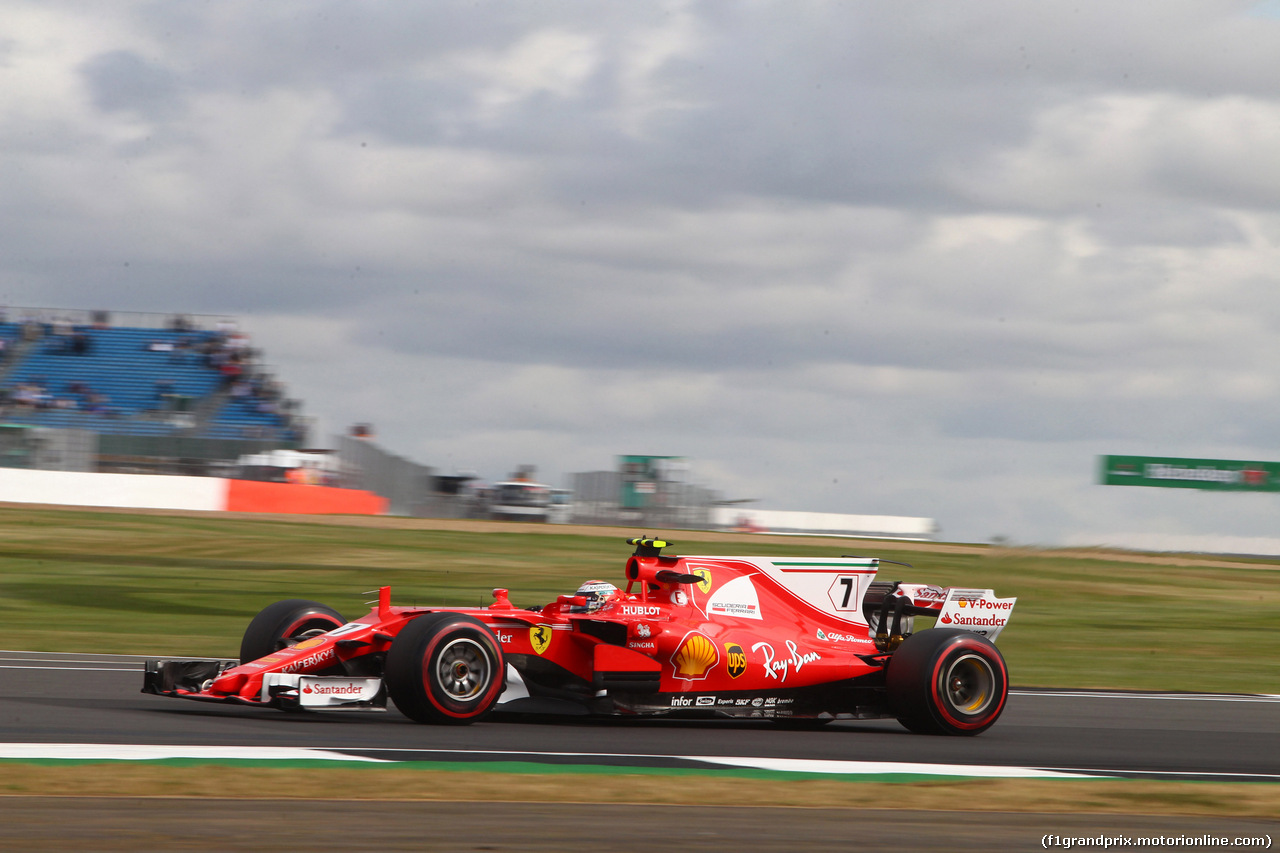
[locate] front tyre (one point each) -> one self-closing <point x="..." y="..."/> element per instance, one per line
<point x="947" y="682"/>
<point x="286" y="623"/>
<point x="445" y="668"/>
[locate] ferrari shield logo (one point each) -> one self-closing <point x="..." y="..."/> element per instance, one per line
<point x="540" y="637"/>
<point x="705" y="583"/>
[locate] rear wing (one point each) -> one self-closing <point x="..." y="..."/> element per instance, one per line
<point x="889" y="608"/>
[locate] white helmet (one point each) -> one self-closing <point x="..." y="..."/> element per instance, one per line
<point x="598" y="595"/>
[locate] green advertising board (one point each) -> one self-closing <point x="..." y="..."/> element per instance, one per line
<point x="640" y="478"/>
<point x="1223" y="475"/>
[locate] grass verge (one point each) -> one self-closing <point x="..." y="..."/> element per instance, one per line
<point x="188" y="584"/>
<point x="704" y="788"/>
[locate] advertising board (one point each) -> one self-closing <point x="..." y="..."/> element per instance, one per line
<point x="1227" y="475"/>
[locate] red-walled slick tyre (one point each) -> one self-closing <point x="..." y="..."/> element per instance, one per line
<point x="284" y="624"/>
<point x="947" y="682"/>
<point x="445" y="668"/>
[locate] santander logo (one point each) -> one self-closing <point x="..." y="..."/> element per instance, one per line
<point x="948" y="619"/>
<point x="333" y="689"/>
<point x="976" y="610"/>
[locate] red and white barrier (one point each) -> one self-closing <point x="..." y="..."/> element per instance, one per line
<point x="153" y="491"/>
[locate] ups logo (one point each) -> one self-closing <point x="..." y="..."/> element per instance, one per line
<point x="736" y="659"/>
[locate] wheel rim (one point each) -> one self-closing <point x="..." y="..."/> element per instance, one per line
<point x="970" y="685"/>
<point x="462" y="669"/>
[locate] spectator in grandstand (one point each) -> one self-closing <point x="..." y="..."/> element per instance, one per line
<point x="164" y="394"/>
<point x="61" y="332"/>
<point x="25" y="395"/>
<point x="99" y="404"/>
<point x="80" y="391"/>
<point x="231" y="371"/>
<point x="181" y="347"/>
<point x="33" y="394"/>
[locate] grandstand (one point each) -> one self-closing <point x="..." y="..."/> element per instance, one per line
<point x="164" y="394"/>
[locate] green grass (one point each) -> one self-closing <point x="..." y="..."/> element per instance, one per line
<point x="188" y="584"/>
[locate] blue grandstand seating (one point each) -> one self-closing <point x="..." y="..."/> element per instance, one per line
<point x="142" y="372"/>
<point x="119" y="364"/>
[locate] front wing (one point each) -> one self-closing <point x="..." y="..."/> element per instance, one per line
<point x="187" y="679"/>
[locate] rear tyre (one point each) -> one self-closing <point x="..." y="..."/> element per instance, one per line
<point x="947" y="682"/>
<point x="284" y="624"/>
<point x="445" y="668"/>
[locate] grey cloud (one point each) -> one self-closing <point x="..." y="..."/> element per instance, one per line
<point x="122" y="81"/>
<point x="908" y="257"/>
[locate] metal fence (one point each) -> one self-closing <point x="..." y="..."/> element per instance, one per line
<point x="597" y="499"/>
<point x="406" y="485"/>
<point x="176" y="454"/>
<point x="69" y="449"/>
<point x="48" y="449"/>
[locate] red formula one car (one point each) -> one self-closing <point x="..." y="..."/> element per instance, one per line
<point x="761" y="637"/>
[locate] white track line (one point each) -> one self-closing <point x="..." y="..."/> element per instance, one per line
<point x="143" y="752"/>
<point x="868" y="768"/>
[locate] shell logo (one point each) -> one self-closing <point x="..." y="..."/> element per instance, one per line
<point x="695" y="656"/>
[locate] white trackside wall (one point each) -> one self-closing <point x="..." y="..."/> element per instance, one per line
<point x="125" y="491"/>
<point x="788" y="523"/>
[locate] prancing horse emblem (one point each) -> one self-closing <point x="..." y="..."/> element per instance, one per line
<point x="540" y="637"/>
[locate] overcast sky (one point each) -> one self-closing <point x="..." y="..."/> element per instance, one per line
<point x="903" y="258"/>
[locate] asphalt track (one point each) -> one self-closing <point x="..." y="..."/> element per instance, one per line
<point x="71" y="701"/>
<point x="94" y="699"/>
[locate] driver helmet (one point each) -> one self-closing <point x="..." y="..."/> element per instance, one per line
<point x="599" y="594"/>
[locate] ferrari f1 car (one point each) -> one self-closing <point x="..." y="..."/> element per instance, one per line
<point x="754" y="637"/>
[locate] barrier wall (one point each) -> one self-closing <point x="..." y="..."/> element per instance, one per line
<point x="826" y="523"/>
<point x="250" y="496"/>
<point x="153" y="491"/>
